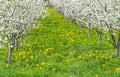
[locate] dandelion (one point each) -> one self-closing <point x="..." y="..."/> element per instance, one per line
<point x="52" y="48"/>
<point x="79" y="57"/>
<point x="37" y="65"/>
<point x="7" y="65"/>
<point x="103" y="65"/>
<point x="3" y="57"/>
<point x="40" y="67"/>
<point x="117" y="69"/>
<point x="43" y="63"/>
<point x="40" y="51"/>
<point x="70" y="41"/>
<point x="90" y="55"/>
<point x="96" y="75"/>
<point x="16" y="57"/>
<point x="27" y="60"/>
<point x="45" y="53"/>
<point x="32" y="57"/>
<point x="103" y="56"/>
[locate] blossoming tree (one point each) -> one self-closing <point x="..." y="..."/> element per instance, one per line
<point x="17" y="17"/>
<point x="100" y="15"/>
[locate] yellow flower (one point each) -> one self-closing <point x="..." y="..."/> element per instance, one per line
<point x="96" y="75"/>
<point x="40" y="67"/>
<point x="40" y="51"/>
<point x="79" y="57"/>
<point x="16" y="57"/>
<point x="45" y="53"/>
<point x="71" y="41"/>
<point x="104" y="65"/>
<point x="43" y="63"/>
<point x="117" y="69"/>
<point x="3" y="57"/>
<point x="7" y="65"/>
<point x="90" y="55"/>
<point x="31" y="56"/>
<point x="71" y="54"/>
<point x="37" y="65"/>
<point x="52" y="48"/>
<point x="27" y="60"/>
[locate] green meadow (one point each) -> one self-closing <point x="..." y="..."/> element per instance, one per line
<point x="58" y="48"/>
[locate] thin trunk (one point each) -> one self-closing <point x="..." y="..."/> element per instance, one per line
<point x="117" y="51"/>
<point x="99" y="39"/>
<point x="10" y="55"/>
<point x="16" y="42"/>
<point x="89" y="31"/>
<point x="11" y="47"/>
<point x="74" y="22"/>
<point x="118" y="45"/>
<point x="81" y="27"/>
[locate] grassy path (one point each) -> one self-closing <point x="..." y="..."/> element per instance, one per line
<point x="57" y="48"/>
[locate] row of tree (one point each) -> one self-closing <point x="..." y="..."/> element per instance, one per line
<point x="101" y="15"/>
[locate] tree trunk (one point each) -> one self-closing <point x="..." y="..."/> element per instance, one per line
<point x="99" y="39"/>
<point x="81" y="27"/>
<point x="89" y="31"/>
<point x="16" y="42"/>
<point x="117" y="51"/>
<point x="74" y="22"/>
<point x="11" y="47"/>
<point x="10" y="55"/>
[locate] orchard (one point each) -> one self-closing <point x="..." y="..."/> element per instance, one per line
<point x="59" y="38"/>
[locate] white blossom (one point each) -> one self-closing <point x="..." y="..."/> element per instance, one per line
<point x="17" y="16"/>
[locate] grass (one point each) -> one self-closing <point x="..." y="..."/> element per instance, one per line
<point x="57" y="48"/>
